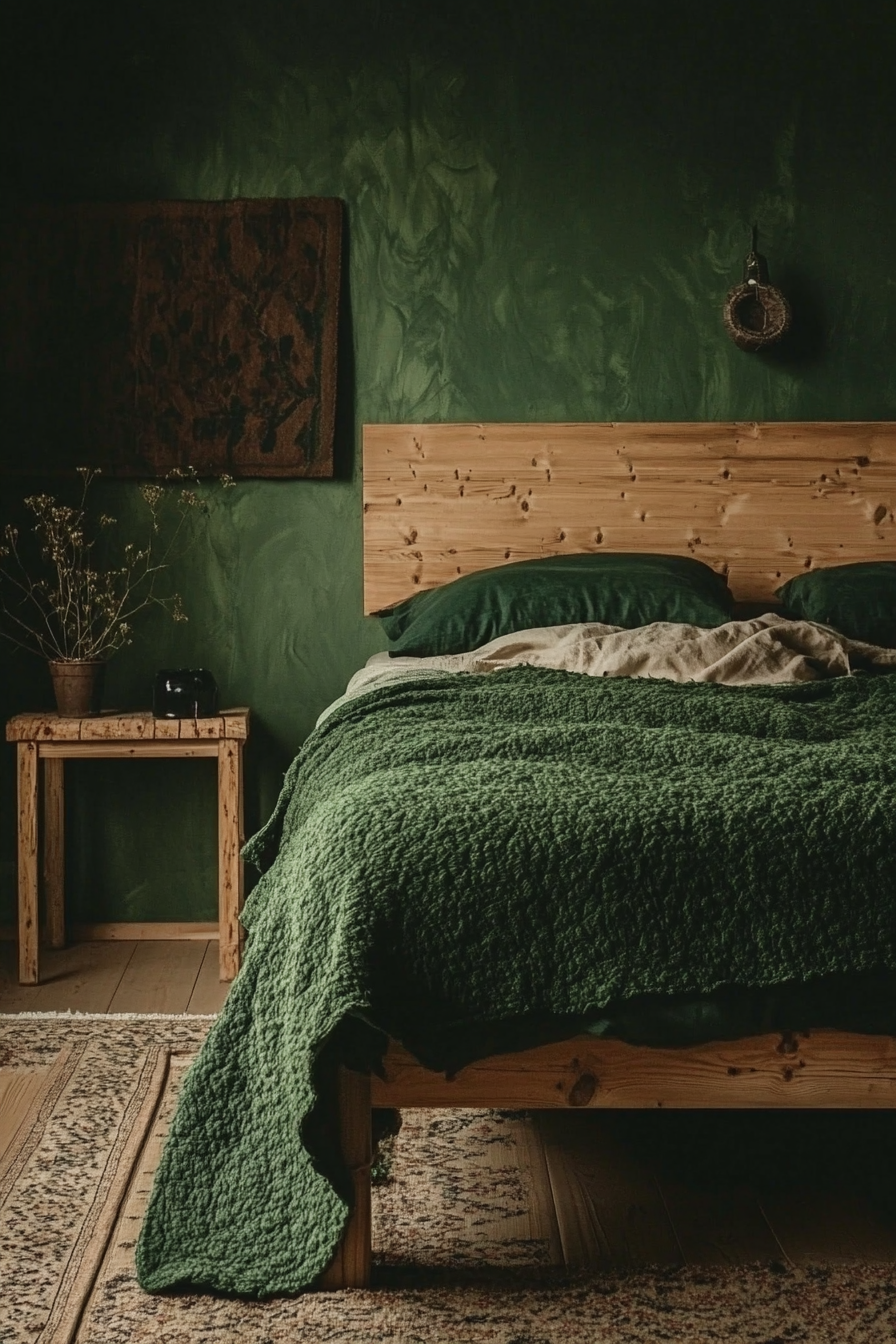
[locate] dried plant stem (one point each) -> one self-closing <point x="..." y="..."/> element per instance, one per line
<point x="74" y="607"/>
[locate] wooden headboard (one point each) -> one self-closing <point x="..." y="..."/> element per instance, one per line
<point x="758" y="502"/>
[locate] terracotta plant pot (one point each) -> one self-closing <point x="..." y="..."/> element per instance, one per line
<point x="78" y="687"/>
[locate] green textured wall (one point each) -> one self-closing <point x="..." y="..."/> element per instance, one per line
<point x="546" y="204"/>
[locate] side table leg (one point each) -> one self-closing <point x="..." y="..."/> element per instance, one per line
<point x="27" y="854"/>
<point x="54" y="849"/>
<point x="230" y="867"/>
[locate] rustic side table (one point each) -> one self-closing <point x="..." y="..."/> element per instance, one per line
<point x="52" y="740"/>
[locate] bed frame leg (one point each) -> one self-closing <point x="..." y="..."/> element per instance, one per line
<point x="350" y="1267"/>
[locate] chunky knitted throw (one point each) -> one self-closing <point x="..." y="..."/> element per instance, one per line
<point x="472" y="849"/>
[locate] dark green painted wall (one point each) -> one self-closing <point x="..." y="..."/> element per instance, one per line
<point x="546" y="205"/>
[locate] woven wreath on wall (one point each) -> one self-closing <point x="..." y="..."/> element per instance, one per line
<point x="756" y="314"/>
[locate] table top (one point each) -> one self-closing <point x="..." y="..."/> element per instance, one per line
<point x="138" y="725"/>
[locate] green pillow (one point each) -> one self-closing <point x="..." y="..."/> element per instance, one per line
<point x="613" y="589"/>
<point x="858" y="600"/>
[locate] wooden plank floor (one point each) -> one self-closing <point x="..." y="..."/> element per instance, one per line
<point x="611" y="1190"/>
<point x="720" y="1187"/>
<point x="168" y="976"/>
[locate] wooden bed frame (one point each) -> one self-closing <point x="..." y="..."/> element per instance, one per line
<point x="757" y="502"/>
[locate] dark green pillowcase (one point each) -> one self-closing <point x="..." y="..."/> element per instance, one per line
<point x="858" y="600"/>
<point x="614" y="589"/>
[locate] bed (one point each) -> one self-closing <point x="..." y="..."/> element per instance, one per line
<point x="759" y="503"/>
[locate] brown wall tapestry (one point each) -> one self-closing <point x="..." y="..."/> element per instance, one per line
<point x="145" y="337"/>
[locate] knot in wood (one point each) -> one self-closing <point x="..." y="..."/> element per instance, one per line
<point x="582" y="1090"/>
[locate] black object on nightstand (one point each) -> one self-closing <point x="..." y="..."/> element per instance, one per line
<point x="184" y="693"/>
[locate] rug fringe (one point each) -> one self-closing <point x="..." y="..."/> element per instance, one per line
<point x="68" y="1016"/>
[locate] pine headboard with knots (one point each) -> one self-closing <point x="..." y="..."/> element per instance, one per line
<point x="758" y="502"/>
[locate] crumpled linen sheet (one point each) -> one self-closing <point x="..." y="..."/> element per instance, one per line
<point x="764" y="651"/>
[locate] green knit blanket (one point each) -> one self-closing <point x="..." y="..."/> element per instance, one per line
<point x="474" y="849"/>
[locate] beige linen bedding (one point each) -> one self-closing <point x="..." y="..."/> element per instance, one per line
<point x="764" y="650"/>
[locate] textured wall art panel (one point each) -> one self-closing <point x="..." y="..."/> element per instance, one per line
<point x="146" y="337"/>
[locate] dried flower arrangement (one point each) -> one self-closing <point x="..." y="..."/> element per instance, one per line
<point x="74" y="601"/>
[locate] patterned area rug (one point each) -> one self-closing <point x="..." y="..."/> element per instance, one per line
<point x="461" y="1255"/>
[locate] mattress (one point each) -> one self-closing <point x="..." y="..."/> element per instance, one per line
<point x="856" y="1003"/>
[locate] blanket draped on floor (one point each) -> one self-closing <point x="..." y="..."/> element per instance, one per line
<point x="468" y="850"/>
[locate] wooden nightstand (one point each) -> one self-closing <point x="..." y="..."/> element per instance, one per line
<point x="51" y="739"/>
